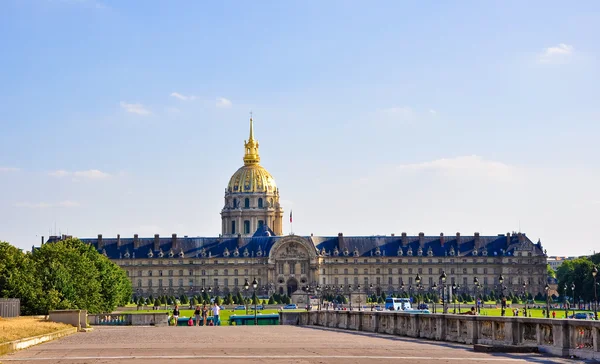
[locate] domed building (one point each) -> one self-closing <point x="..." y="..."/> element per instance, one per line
<point x="251" y="247"/>
<point x="251" y="197"/>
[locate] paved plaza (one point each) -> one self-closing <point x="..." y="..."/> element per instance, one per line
<point x="253" y="344"/>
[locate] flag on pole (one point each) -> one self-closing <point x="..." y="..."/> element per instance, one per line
<point x="290" y="216"/>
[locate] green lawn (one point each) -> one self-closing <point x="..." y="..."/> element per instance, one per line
<point x="224" y="316"/>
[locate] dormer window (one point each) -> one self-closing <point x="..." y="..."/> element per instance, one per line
<point x="236" y="252"/>
<point x="429" y="252"/>
<point x="150" y="254"/>
<point x="420" y="252"/>
<point x="356" y="252"/>
<point x="160" y="253"/>
<point x="171" y="254"/>
<point x="410" y="252"/>
<point x="226" y="252"/>
<point x="400" y="252"/>
<point x="336" y="252"/>
<point x="181" y="254"/>
<point x="246" y="253"/>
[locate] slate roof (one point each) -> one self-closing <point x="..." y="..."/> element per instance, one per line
<point x="352" y="246"/>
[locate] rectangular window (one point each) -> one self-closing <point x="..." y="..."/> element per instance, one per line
<point x="139" y="273"/>
<point x="356" y="281"/>
<point x="474" y="270"/>
<point x="139" y="283"/>
<point x="390" y="281"/>
<point x="280" y="268"/>
<point x="346" y="281"/>
<point x="235" y="282"/>
<point x="292" y="268"/>
<point x="180" y="272"/>
<point x="226" y="282"/>
<point x="260" y="223"/>
<point x="465" y="282"/>
<point x="378" y="281"/>
<point x="485" y="282"/>
<point x="366" y="271"/>
<point x="335" y="281"/>
<point x="160" y="282"/>
<point x="302" y="268"/>
<point x="246" y="272"/>
<point x="246" y="226"/>
<point x="233" y="227"/>
<point x="430" y="281"/>
<point x="149" y="282"/>
<point x="203" y="282"/>
<point x="410" y="280"/>
<point x="191" y="282"/>
<point x="324" y="282"/>
<point x="170" y="282"/>
<point x="180" y="282"/>
<point x="366" y="282"/>
<point x="345" y="270"/>
<point x="170" y="273"/>
<point x="216" y="282"/>
<point x="191" y="272"/>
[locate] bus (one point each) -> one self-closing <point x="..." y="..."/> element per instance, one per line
<point x="397" y="304"/>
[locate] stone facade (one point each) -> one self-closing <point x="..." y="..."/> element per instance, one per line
<point x="252" y="246"/>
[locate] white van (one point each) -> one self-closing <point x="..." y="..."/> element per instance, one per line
<point x="397" y="304"/>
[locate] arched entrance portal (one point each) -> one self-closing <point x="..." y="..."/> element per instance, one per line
<point x="292" y="286"/>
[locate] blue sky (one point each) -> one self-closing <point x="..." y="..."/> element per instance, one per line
<point x="129" y="117"/>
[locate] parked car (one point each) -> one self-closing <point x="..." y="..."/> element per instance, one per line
<point x="240" y="307"/>
<point x="259" y="307"/>
<point x="422" y="306"/>
<point x="583" y="316"/>
<point x="291" y="306"/>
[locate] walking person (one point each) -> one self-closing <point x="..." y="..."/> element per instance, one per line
<point x="216" y="310"/>
<point x="176" y="314"/>
<point x="204" y="314"/>
<point x="197" y="315"/>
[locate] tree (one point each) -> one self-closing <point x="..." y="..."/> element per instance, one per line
<point x="271" y="301"/>
<point x="254" y="299"/>
<point x="19" y="279"/>
<point x="551" y="272"/>
<point x="193" y="301"/>
<point x="156" y="302"/>
<point x="183" y="299"/>
<point x="579" y="272"/>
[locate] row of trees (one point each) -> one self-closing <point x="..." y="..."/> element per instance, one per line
<point x="579" y="272"/>
<point x="67" y="274"/>
<point x="230" y="299"/>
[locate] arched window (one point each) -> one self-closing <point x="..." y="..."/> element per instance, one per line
<point x="226" y="272"/>
<point x="260" y="203"/>
<point x="246" y="226"/>
<point x="247" y="203"/>
<point x="235" y="203"/>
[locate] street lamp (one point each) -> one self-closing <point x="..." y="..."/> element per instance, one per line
<point x="458" y="290"/>
<point x="418" y="282"/>
<point x="546" y="287"/>
<point x="566" y="300"/>
<point x="443" y="286"/>
<point x="434" y="288"/>
<point x="254" y="285"/>
<point x="573" y="294"/>
<point x="502" y="301"/>
<point x="246" y="286"/>
<point x="454" y="286"/>
<point x="359" y="299"/>
<point x="370" y="290"/>
<point x="594" y="274"/>
<point x="477" y="287"/>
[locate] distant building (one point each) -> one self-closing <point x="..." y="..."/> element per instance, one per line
<point x="556" y="261"/>
<point x="252" y="246"/>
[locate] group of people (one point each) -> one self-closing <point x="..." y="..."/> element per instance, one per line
<point x="200" y="313"/>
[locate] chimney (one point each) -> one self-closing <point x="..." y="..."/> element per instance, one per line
<point x="118" y="240"/>
<point x="404" y="239"/>
<point x="422" y="240"/>
<point x="521" y="237"/>
<point x="174" y="241"/>
<point x="156" y="242"/>
<point x="136" y="241"/>
<point x="340" y="241"/>
<point x="507" y="240"/>
<point x="42" y="240"/>
<point x="100" y="242"/>
<point x="477" y="241"/>
<point x="393" y="234"/>
<point x="442" y="239"/>
<point x="457" y="238"/>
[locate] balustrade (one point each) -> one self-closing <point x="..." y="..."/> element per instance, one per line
<point x="555" y="336"/>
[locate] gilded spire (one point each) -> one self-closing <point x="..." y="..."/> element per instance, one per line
<point x="251" y="156"/>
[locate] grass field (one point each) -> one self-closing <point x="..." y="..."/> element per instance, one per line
<point x="22" y="327"/>
<point x="224" y="316"/>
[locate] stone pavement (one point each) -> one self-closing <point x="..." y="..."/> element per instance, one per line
<point x="253" y="344"/>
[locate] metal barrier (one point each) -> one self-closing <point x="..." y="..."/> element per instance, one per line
<point x="10" y="307"/>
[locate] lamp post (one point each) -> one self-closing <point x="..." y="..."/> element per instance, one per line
<point x="434" y="288"/>
<point x="443" y="287"/>
<point x="370" y="290"/>
<point x="246" y="286"/>
<point x="566" y="301"/>
<point x="458" y="290"/>
<point x="594" y="274"/>
<point x="454" y="287"/>
<point x="418" y="282"/>
<point x="254" y="285"/>
<point x="502" y="301"/>
<point x="359" y="299"/>
<point x="477" y="288"/>
<point x="318" y="289"/>
<point x="350" y="295"/>
<point x="546" y="287"/>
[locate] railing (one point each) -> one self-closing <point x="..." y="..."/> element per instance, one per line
<point x="572" y="337"/>
<point x="122" y="319"/>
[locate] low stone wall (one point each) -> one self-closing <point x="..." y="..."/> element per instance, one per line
<point x="77" y="318"/>
<point x="579" y="338"/>
<point x="12" y="346"/>
<point x="127" y="319"/>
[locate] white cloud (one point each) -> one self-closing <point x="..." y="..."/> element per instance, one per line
<point x="557" y="54"/>
<point x="135" y="108"/>
<point x="467" y="165"/>
<point x="89" y="174"/>
<point x="432" y="112"/>
<point x="223" y="103"/>
<point x="68" y="203"/>
<point x="9" y="169"/>
<point x="183" y="97"/>
<point x="44" y="205"/>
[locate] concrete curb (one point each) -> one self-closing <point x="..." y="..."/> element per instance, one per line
<point x="13" y="346"/>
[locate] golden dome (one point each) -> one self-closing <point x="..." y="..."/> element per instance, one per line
<point x="251" y="179"/>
